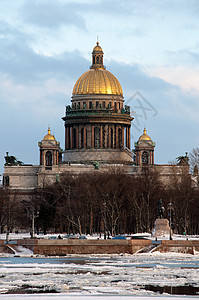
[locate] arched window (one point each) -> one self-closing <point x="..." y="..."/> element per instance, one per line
<point x="119" y="137"/>
<point x="111" y="137"/>
<point x="97" y="137"/>
<point x="48" y="158"/>
<point x="93" y="59"/>
<point x="97" y="59"/>
<point x="145" y="158"/>
<point x="82" y="138"/>
<point x="74" y="138"/>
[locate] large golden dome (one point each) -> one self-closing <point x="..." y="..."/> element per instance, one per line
<point x="97" y="80"/>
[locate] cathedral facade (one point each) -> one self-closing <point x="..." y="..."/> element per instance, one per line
<point x="97" y="135"/>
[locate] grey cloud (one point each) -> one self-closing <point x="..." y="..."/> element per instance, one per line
<point x="132" y="77"/>
<point x="52" y="14"/>
<point x="22" y="64"/>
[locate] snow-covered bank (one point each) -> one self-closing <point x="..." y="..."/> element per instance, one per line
<point x="65" y="297"/>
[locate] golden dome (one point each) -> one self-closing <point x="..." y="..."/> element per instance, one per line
<point x="144" y="137"/>
<point x="97" y="81"/>
<point x="49" y="136"/>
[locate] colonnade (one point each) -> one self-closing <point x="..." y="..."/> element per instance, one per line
<point x="97" y="136"/>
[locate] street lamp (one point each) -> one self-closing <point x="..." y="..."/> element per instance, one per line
<point x="170" y="208"/>
<point x="104" y="204"/>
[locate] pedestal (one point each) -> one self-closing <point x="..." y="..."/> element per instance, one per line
<point x="161" y="228"/>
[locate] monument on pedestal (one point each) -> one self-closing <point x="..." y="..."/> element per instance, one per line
<point x="162" y="227"/>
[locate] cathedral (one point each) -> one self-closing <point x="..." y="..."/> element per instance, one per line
<point x="97" y="136"/>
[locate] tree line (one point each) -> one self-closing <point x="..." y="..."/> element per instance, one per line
<point x="111" y="202"/>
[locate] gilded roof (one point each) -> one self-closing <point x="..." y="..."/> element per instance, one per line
<point x="97" y="48"/>
<point x="144" y="137"/>
<point x="97" y="81"/>
<point x="49" y="136"/>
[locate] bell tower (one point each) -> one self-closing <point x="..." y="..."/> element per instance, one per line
<point x="144" y="150"/>
<point x="50" y="151"/>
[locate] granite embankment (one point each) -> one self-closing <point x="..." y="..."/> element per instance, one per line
<point x="78" y="246"/>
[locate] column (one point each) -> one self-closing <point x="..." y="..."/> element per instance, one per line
<point x="109" y="136"/>
<point x="71" y="137"/>
<point x="92" y="136"/>
<point x="126" y="136"/>
<point x="122" y="135"/>
<point x="57" y="155"/>
<point x="116" y="136"/>
<point x="129" y="137"/>
<point x="84" y="132"/>
<point x="67" y="137"/>
<point x="101" y="137"/>
<point x="77" y="136"/>
<point x="53" y="162"/>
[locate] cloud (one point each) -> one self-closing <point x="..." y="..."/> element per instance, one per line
<point x="52" y="14"/>
<point x="20" y="63"/>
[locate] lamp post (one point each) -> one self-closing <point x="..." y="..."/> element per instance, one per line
<point x="170" y="208"/>
<point x="104" y="203"/>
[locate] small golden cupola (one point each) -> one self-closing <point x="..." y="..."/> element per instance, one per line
<point x="144" y="136"/>
<point x="144" y="150"/>
<point x="97" y="57"/>
<point x="50" y="151"/>
<point x="49" y="136"/>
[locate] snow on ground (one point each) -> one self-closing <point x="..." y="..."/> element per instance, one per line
<point x="14" y="236"/>
<point x="64" y="297"/>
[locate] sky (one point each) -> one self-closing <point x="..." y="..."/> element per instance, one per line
<point x="151" y="46"/>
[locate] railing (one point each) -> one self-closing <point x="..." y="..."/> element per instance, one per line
<point x="100" y="111"/>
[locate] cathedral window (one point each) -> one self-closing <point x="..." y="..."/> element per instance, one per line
<point x="90" y="105"/>
<point x="97" y="137"/>
<point x="104" y="104"/>
<point x="119" y="137"/>
<point x="145" y="158"/>
<point x="48" y="158"/>
<point x="6" y="181"/>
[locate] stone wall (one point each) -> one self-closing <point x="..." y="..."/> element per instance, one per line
<point x="110" y="155"/>
<point x="179" y="246"/>
<point x="70" y="246"/>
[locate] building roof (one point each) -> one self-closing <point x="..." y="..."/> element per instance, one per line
<point x="49" y="136"/>
<point x="144" y="136"/>
<point x="97" y="80"/>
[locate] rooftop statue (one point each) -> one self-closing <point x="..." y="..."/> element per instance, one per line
<point x="12" y="160"/>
